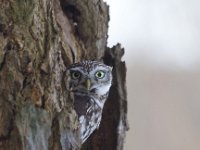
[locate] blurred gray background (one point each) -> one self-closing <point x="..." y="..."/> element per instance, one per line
<point x="161" y="39"/>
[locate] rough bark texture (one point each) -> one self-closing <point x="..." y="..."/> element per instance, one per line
<point x="38" y="40"/>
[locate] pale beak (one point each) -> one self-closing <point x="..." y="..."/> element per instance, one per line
<point x="88" y="84"/>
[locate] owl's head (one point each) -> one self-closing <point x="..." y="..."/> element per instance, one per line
<point x="90" y="77"/>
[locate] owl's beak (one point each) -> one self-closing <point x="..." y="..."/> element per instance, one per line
<point x="88" y="84"/>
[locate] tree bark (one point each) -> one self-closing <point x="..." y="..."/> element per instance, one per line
<point x="39" y="39"/>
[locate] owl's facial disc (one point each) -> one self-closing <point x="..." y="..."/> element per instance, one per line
<point x="86" y="79"/>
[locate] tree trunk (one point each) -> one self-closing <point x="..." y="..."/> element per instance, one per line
<point x="39" y="39"/>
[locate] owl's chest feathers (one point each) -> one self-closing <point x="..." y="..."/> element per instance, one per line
<point x="84" y="103"/>
<point x="89" y="114"/>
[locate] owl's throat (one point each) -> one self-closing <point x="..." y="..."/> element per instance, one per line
<point x="85" y="91"/>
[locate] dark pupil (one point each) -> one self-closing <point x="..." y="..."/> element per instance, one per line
<point x="99" y="74"/>
<point x="76" y="74"/>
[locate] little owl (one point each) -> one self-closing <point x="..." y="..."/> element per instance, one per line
<point x="90" y="81"/>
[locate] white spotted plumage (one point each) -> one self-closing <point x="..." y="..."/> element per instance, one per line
<point x="90" y="82"/>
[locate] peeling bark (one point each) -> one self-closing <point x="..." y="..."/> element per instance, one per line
<point x="38" y="40"/>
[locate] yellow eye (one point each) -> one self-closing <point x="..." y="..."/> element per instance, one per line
<point x="75" y="75"/>
<point x="99" y="74"/>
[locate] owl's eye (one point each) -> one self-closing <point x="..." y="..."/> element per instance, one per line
<point x="75" y="75"/>
<point x="100" y="74"/>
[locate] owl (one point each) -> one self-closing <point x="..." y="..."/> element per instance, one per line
<point x="90" y="82"/>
